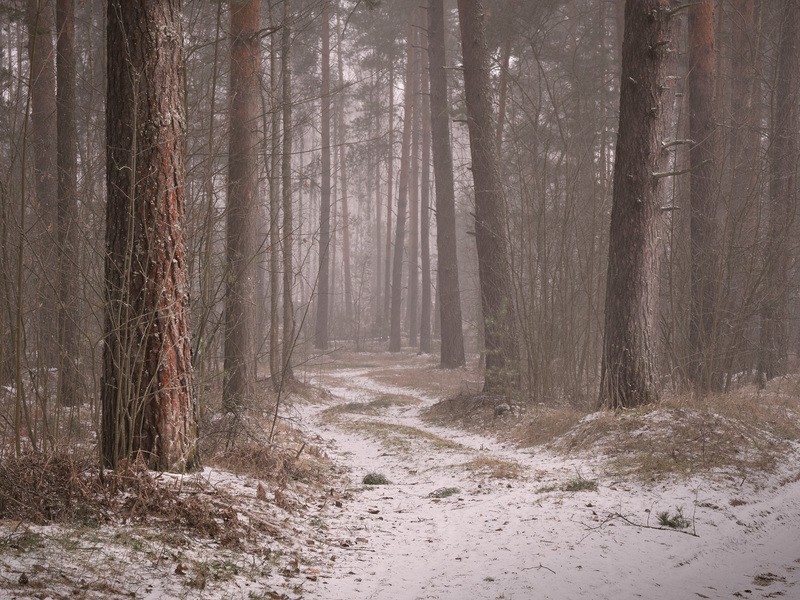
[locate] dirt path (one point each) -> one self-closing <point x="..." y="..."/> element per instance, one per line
<point x="466" y="517"/>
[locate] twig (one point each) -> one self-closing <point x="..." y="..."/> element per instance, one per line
<point x="643" y="526"/>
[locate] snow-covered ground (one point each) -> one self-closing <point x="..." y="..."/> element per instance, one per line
<point x="522" y="537"/>
<point x="463" y="517"/>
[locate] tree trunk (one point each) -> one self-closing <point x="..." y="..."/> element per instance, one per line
<point x="45" y="168"/>
<point x="147" y="394"/>
<point x="628" y="372"/>
<point x="412" y="301"/>
<point x="348" y="282"/>
<point x="425" y="215"/>
<point x="494" y="265"/>
<point x="275" y="362"/>
<point x="288" y="224"/>
<point x="402" y="197"/>
<point x="68" y="373"/>
<point x="703" y="209"/>
<point x="242" y="204"/>
<point x="387" y="266"/>
<point x="449" y="304"/>
<point x="782" y="155"/>
<point x="376" y="165"/>
<point x="323" y="296"/>
<point x="740" y="224"/>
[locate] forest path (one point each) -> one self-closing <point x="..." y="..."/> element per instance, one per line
<point x="467" y="517"/>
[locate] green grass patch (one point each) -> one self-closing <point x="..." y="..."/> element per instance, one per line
<point x="579" y="484"/>
<point x="674" y="520"/>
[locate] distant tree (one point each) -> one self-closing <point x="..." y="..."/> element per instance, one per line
<point x="148" y="399"/>
<point x="494" y="264"/>
<point x="782" y="154"/>
<point x="68" y="373"/>
<point x="288" y="212"/>
<point x="395" y="343"/>
<point x="628" y="367"/>
<point x="274" y="161"/>
<point x="449" y="305"/>
<point x="412" y="295"/>
<point x="323" y="284"/>
<point x="701" y="78"/>
<point x="343" y="172"/>
<point x="242" y="204"/>
<point x="45" y="169"/>
<point x="425" y="214"/>
<point x="387" y="265"/>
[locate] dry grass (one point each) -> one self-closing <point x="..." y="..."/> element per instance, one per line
<point x="373" y="407"/>
<point x="653" y="442"/>
<point x="475" y="412"/>
<point x="431" y="380"/>
<point x="495" y="468"/>
<point x="543" y="424"/>
<point x="400" y="436"/>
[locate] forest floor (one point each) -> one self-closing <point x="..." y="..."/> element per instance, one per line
<point x="667" y="503"/>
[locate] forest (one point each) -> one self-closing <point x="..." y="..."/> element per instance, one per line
<point x="399" y="299"/>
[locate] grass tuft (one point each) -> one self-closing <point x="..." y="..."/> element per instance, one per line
<point x="444" y="492"/>
<point x="375" y="479"/>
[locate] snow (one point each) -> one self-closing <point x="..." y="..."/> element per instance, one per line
<point x="512" y="538"/>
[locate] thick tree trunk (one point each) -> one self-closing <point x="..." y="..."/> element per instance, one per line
<point x="494" y="265"/>
<point x="288" y="213"/>
<point x="68" y="372"/>
<point x="703" y="209"/>
<point x="147" y="394"/>
<point x="323" y="295"/>
<point x="782" y="155"/>
<point x="628" y="370"/>
<point x="449" y="304"/>
<point x="45" y="168"/>
<point x="242" y="205"/>
<point x="395" y="343"/>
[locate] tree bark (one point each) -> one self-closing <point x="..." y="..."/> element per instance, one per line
<point x="275" y="362"/>
<point x="274" y="235"/>
<point x="348" y="281"/>
<point x="782" y="156"/>
<point x="395" y="343"/>
<point x="628" y="372"/>
<point x="449" y="304"/>
<point x="68" y="372"/>
<point x="242" y="206"/>
<point x="702" y="219"/>
<point x="288" y="213"/>
<point x="323" y="296"/>
<point x="147" y="394"/>
<point x="494" y="270"/>
<point x="412" y="301"/>
<point x="387" y="267"/>
<point x="45" y="169"/>
<point x="425" y="215"/>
